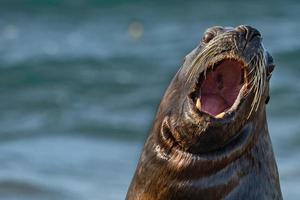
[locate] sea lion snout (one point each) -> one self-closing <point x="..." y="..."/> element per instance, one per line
<point x="249" y="32"/>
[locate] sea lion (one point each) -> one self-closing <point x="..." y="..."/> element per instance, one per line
<point x="210" y="137"/>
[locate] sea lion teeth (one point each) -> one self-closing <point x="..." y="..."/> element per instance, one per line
<point x="221" y="115"/>
<point x="198" y="104"/>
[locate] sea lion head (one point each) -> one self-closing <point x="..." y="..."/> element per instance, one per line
<point x="221" y="88"/>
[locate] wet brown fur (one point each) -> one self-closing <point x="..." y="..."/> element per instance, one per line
<point x="190" y="155"/>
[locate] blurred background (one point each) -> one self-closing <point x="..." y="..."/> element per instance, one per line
<point x="80" y="82"/>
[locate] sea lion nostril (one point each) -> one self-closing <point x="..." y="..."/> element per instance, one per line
<point x="242" y="29"/>
<point x="208" y="36"/>
<point x="248" y="31"/>
<point x="253" y="33"/>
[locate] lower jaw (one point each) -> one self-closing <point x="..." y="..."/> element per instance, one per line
<point x="226" y="111"/>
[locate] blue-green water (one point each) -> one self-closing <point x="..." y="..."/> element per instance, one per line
<point x="80" y="82"/>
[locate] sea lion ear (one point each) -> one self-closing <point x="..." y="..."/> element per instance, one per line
<point x="267" y="99"/>
<point x="270" y="65"/>
<point x="270" y="68"/>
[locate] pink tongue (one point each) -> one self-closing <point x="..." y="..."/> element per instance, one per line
<point x="213" y="103"/>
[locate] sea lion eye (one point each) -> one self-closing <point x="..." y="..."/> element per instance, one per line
<point x="208" y="36"/>
<point x="270" y="69"/>
<point x="267" y="100"/>
<point x="270" y="65"/>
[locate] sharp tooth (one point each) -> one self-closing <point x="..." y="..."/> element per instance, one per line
<point x="221" y="115"/>
<point x="198" y="104"/>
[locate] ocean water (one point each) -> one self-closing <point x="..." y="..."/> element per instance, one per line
<point x="80" y="82"/>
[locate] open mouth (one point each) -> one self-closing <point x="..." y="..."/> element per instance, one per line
<point x="218" y="90"/>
